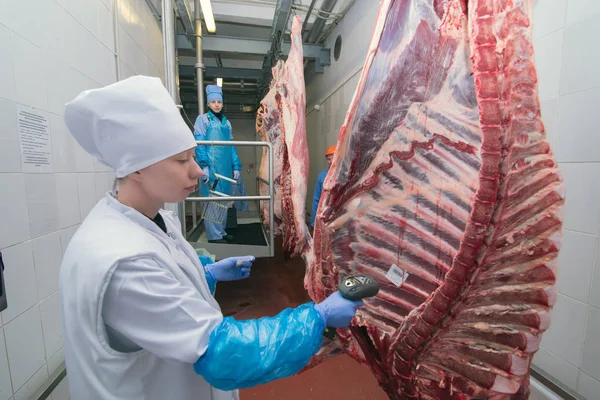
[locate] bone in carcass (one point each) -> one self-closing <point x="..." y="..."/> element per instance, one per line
<point x="444" y="181"/>
<point x="268" y="127"/>
<point x="284" y="124"/>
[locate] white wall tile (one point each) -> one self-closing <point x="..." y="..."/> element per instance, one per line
<point x="29" y="19"/>
<point x="556" y="367"/>
<point x="83" y="161"/>
<point x="126" y="47"/>
<point x="548" y="16"/>
<point x="73" y="47"/>
<point x="51" y="324"/>
<point x="55" y="362"/>
<point x="63" y="145"/>
<point x="17" y="217"/>
<point x="64" y="84"/>
<point x="105" y="26"/>
<point x="577" y="131"/>
<point x="41" y="203"/>
<point x="549" y="111"/>
<point x="29" y="71"/>
<point x="101" y="184"/>
<point x="66" y="235"/>
<point x="582" y="208"/>
<point x="68" y="200"/>
<point x="7" y="78"/>
<point x="566" y="334"/>
<point x="25" y="346"/>
<point x="92" y="84"/>
<point x="595" y="295"/>
<point x="578" y="10"/>
<point x="590" y="363"/>
<point x="576" y="263"/>
<point x="588" y="387"/>
<point x="126" y="72"/>
<point x="5" y="384"/>
<point x="55" y="38"/>
<point x="10" y="150"/>
<point x="548" y="57"/>
<point x="84" y="12"/>
<point x="124" y="13"/>
<point x="19" y="275"/>
<point x="32" y="385"/>
<point x="108" y="4"/>
<point x="86" y="185"/>
<point x="580" y="58"/>
<point x="47" y="255"/>
<point x="4" y="17"/>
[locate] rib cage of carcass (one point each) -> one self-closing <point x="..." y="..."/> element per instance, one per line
<point x="443" y="177"/>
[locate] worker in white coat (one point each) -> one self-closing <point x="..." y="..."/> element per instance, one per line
<point x="139" y="317"/>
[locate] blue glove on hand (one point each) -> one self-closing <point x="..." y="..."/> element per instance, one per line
<point x="236" y="175"/>
<point x="231" y="269"/>
<point x="337" y="312"/>
<point x="205" y="174"/>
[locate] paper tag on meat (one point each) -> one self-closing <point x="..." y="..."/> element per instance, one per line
<point x="396" y="275"/>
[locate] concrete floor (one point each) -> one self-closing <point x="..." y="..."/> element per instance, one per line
<point x="274" y="285"/>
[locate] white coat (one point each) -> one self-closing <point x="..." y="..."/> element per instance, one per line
<point x="159" y="300"/>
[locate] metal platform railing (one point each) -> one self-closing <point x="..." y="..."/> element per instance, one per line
<point x="270" y="197"/>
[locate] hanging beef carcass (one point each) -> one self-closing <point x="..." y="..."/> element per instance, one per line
<point x="281" y="120"/>
<point x="444" y="189"/>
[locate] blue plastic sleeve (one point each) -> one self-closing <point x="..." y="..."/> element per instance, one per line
<point x="243" y="354"/>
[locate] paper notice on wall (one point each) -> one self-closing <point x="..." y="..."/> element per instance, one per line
<point x="34" y="134"/>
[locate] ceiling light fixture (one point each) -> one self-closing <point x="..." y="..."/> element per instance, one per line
<point x="209" y="18"/>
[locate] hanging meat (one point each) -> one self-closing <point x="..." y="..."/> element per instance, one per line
<point x="444" y="189"/>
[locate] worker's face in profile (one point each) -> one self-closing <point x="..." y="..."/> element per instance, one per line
<point x="216" y="106"/>
<point x="329" y="159"/>
<point x="173" y="179"/>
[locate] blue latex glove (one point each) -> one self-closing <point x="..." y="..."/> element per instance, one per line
<point x="337" y="312"/>
<point x="236" y="175"/>
<point x="231" y="269"/>
<point x="205" y="174"/>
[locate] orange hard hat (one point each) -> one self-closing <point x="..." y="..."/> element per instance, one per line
<point x="330" y="151"/>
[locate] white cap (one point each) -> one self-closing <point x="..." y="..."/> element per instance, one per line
<point x="129" y="125"/>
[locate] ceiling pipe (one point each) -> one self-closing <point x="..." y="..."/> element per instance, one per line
<point x="199" y="61"/>
<point x="168" y="25"/>
<point x="319" y="24"/>
<point x="305" y="23"/>
<point x="116" y="37"/>
<point x="336" y="20"/>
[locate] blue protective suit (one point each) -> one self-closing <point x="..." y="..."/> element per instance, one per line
<point x="220" y="159"/>
<point x="243" y="354"/>
<point x="317" y="196"/>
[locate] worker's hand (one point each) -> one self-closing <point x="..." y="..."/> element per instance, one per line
<point x="231" y="269"/>
<point x="337" y="312"/>
<point x="236" y="175"/>
<point x="205" y="174"/>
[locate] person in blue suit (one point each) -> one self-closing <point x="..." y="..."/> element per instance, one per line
<point x="222" y="160"/>
<point x="319" y="186"/>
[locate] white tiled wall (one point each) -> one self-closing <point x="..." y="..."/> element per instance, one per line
<point x="568" y="62"/>
<point x="568" y="65"/>
<point x="50" y="51"/>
